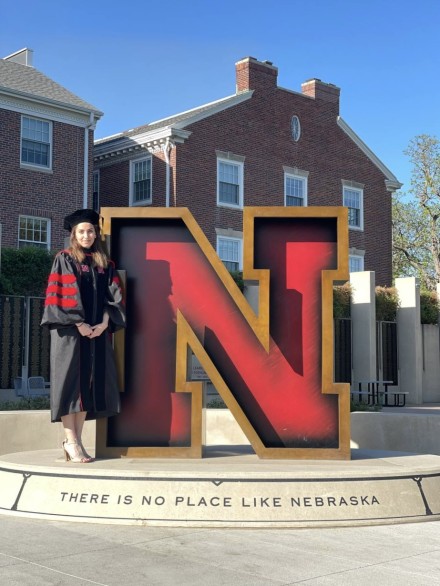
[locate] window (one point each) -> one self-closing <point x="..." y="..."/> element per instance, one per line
<point x="95" y="197"/>
<point x="229" y="183"/>
<point x="229" y="251"/>
<point x="355" y="263"/>
<point x="33" y="232"/>
<point x="353" y="200"/>
<point x="140" y="181"/>
<point x="295" y="190"/>
<point x="36" y="139"/>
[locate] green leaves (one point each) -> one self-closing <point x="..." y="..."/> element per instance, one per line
<point x="24" y="271"/>
<point x="416" y="216"/>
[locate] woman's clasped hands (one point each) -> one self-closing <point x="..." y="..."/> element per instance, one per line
<point x="91" y="331"/>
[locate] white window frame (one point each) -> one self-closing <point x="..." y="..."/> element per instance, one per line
<point x="355" y="258"/>
<point x="133" y="163"/>
<point x="239" y="242"/>
<point x="36" y="243"/>
<point x="302" y="179"/>
<point x="238" y="166"/>
<point x="360" y="193"/>
<point x="49" y="143"/>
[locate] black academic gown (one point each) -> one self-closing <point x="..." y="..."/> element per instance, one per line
<point x="83" y="373"/>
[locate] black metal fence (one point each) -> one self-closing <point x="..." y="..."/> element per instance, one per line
<point x="23" y="342"/>
<point x="343" y="350"/>
<point x="386" y="350"/>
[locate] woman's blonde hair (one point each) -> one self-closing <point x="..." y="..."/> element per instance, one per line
<point x="97" y="250"/>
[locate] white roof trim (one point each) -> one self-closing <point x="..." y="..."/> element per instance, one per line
<point x="219" y="106"/>
<point x="48" y="101"/>
<point x="40" y="109"/>
<point x="391" y="181"/>
<point x="212" y="108"/>
<point x="149" y="140"/>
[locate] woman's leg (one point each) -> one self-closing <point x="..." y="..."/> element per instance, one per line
<point x="69" y="424"/>
<point x="73" y="425"/>
<point x="79" y="424"/>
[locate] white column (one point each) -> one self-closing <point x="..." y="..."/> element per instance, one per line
<point x="252" y="296"/>
<point x="409" y="340"/>
<point x="90" y="126"/>
<point x="363" y="324"/>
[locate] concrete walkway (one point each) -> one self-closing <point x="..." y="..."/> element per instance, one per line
<point x="37" y="552"/>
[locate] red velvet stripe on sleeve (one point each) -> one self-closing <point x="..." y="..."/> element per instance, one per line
<point x="63" y="279"/>
<point x="61" y="301"/>
<point x="60" y="291"/>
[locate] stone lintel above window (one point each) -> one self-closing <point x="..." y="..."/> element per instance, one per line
<point x="295" y="171"/>
<point x="352" y="184"/>
<point x="230" y="156"/>
<point x="229" y="233"/>
<point x="356" y="252"/>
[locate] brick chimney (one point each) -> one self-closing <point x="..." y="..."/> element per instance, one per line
<point x="317" y="89"/>
<point x="252" y="74"/>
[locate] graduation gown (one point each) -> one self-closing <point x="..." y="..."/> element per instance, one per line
<point x="83" y="373"/>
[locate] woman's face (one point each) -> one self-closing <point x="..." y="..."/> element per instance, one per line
<point x="85" y="234"/>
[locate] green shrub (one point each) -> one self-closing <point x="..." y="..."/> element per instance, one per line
<point x="341" y="301"/>
<point x="429" y="307"/>
<point x="387" y="303"/>
<point x="355" y="406"/>
<point x="238" y="278"/>
<point x="25" y="271"/>
<point x="33" y="403"/>
<point x="216" y="403"/>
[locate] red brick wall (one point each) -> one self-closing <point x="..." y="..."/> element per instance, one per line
<point x="114" y="181"/>
<point x="38" y="193"/>
<point x="259" y="130"/>
<point x="261" y="133"/>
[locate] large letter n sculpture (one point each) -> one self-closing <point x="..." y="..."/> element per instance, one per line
<point x="273" y="368"/>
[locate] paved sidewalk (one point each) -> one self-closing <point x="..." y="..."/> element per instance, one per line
<point x="40" y="552"/>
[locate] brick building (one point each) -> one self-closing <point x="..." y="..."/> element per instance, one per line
<point x="46" y="149"/>
<point x="264" y="145"/>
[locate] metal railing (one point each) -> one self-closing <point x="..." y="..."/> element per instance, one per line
<point x="24" y="344"/>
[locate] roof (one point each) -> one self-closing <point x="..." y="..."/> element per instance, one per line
<point x="181" y="120"/>
<point x="26" y="81"/>
<point x="158" y="132"/>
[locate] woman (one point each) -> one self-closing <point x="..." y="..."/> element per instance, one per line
<point x="83" y="301"/>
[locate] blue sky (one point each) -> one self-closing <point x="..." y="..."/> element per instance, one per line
<point x="139" y="60"/>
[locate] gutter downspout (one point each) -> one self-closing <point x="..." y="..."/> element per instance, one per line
<point x="90" y="126"/>
<point x="166" y="149"/>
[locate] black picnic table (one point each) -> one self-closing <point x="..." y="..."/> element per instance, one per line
<point x="378" y="393"/>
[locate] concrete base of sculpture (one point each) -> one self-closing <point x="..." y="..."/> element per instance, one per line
<point x="229" y="487"/>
